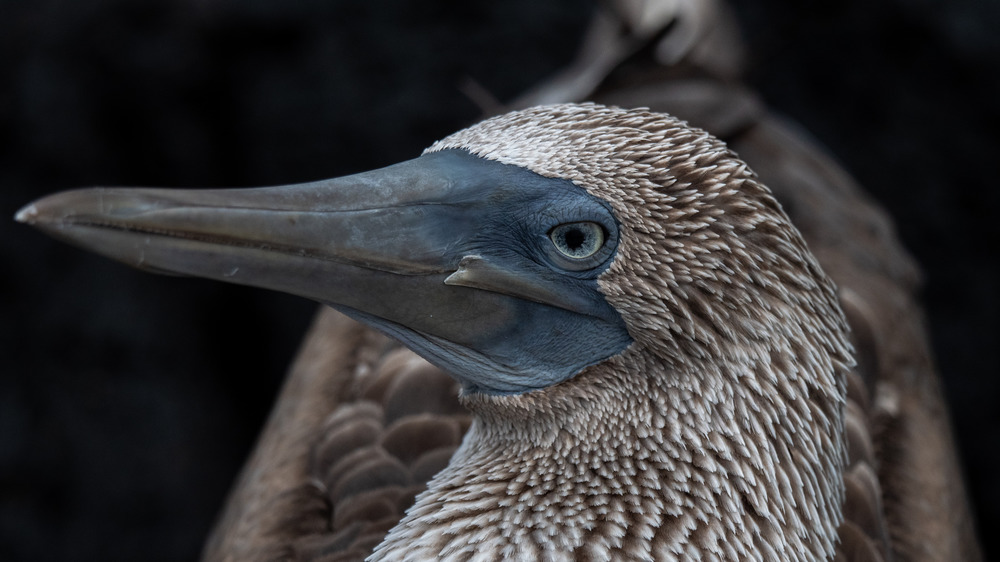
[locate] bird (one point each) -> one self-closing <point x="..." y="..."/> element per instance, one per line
<point x="655" y="364"/>
<point x="636" y="349"/>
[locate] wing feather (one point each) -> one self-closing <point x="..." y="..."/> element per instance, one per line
<point x="358" y="429"/>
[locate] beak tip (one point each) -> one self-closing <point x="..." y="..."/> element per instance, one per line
<point x="27" y="215"/>
<point x="60" y="209"/>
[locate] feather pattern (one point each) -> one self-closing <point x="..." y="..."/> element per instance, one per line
<point x="734" y="428"/>
<point x="718" y="431"/>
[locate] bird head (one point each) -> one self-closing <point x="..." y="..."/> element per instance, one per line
<point x="514" y="254"/>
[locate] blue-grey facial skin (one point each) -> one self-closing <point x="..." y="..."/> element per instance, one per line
<point x="448" y="252"/>
<point x="500" y="340"/>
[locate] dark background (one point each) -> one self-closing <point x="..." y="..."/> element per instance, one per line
<point x="128" y="401"/>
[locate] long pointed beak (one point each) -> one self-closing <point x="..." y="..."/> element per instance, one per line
<point x="344" y="241"/>
<point x="361" y="220"/>
<point x="401" y="248"/>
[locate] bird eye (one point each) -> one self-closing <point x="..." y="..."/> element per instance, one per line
<point x="578" y="240"/>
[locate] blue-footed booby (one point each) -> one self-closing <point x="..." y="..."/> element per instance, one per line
<point x="654" y="364"/>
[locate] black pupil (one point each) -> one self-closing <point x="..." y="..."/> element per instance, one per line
<point x="574" y="238"/>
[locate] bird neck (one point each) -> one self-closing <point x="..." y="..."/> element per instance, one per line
<point x="634" y="457"/>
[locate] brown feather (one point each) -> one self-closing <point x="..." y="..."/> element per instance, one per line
<point x="926" y="510"/>
<point x="359" y="428"/>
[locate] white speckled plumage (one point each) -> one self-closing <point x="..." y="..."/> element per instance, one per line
<point x="719" y="433"/>
<point x="903" y="497"/>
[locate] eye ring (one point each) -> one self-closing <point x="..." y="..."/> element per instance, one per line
<point x="578" y="240"/>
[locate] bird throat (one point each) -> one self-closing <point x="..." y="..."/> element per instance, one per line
<point x="628" y="463"/>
